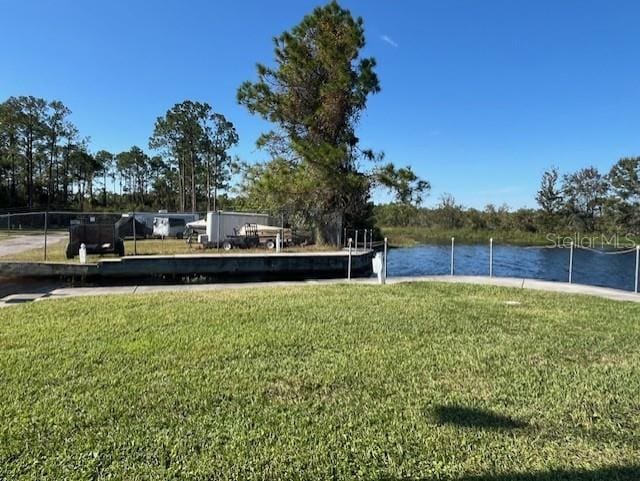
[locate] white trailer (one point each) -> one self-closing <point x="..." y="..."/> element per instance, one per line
<point x="220" y="225"/>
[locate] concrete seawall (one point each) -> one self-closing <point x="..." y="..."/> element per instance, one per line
<point x="298" y="265"/>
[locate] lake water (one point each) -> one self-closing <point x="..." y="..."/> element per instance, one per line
<point x="617" y="271"/>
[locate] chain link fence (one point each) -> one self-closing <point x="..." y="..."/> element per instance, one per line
<point x="44" y="235"/>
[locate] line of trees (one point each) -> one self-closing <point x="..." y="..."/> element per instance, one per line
<point x="582" y="201"/>
<point x="588" y="200"/>
<point x="450" y="215"/>
<point x="43" y="159"/>
<point x="45" y="163"/>
<point x="196" y="141"/>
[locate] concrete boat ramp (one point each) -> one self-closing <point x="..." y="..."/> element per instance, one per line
<point x="287" y="265"/>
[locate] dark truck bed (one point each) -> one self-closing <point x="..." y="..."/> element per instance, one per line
<point x="97" y="238"/>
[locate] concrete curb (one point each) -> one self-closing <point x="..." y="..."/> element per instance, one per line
<point x="560" y="287"/>
<point x="535" y="284"/>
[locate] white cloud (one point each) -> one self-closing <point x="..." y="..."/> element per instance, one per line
<point x="389" y="40"/>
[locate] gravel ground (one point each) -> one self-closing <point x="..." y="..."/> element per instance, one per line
<point x="21" y="243"/>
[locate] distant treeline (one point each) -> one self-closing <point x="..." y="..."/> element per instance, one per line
<point x="450" y="215"/>
<point x="582" y="201"/>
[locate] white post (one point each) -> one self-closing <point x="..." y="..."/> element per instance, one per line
<point x="384" y="266"/>
<point x="377" y="264"/>
<point x="217" y="233"/>
<point x="349" y="265"/>
<point x="491" y="257"/>
<point x="637" y="266"/>
<point x="356" y="243"/>
<point x="453" y="243"/>
<point x="365" y="239"/>
<point x="277" y="242"/>
<point x="82" y="253"/>
<point x="571" y="264"/>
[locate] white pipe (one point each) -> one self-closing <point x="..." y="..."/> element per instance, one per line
<point x="637" y="266"/>
<point x="453" y="243"/>
<point x="571" y="264"/>
<point x="349" y="265"/>
<point x="491" y="257"/>
<point x="384" y="276"/>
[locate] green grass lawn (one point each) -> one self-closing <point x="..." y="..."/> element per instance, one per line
<point x="415" y="381"/>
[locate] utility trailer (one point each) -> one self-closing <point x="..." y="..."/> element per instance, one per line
<point x="246" y="238"/>
<point x="97" y="238"/>
<point x="268" y="234"/>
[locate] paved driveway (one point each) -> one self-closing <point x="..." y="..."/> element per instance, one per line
<point x="21" y="243"/>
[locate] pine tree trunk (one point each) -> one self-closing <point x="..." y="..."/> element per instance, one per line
<point x="193" y="182"/>
<point x="208" y="185"/>
<point x="215" y="184"/>
<point x="329" y="228"/>
<point x="29" y="168"/>
<point x="50" y="193"/>
<point x="181" y="186"/>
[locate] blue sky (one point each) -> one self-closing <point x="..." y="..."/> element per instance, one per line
<point x="479" y="97"/>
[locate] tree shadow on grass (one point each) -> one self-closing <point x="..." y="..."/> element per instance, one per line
<point x="474" y="418"/>
<point x="610" y="473"/>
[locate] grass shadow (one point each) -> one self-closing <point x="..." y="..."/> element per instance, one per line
<point x="610" y="473"/>
<point x="474" y="418"/>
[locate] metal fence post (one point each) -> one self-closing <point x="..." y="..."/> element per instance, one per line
<point x="356" y="243"/>
<point x="384" y="268"/>
<point x="135" y="238"/>
<point x="349" y="264"/>
<point x="8" y="223"/>
<point x="453" y="243"/>
<point x="637" y="266"/>
<point x="344" y="239"/>
<point x="571" y="264"/>
<point x="491" y="257"/>
<point x="45" y="234"/>
<point x="365" y="239"/>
